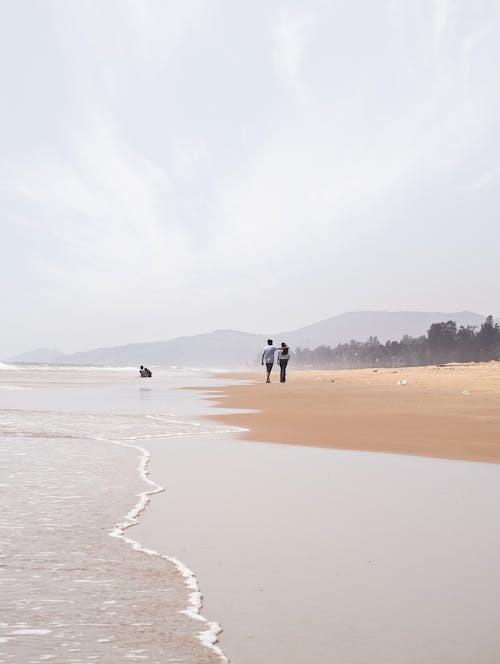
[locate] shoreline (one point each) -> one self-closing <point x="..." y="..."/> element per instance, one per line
<point x="209" y="638"/>
<point x="83" y="457"/>
<point x="449" y="412"/>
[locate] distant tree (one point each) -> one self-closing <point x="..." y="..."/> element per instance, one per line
<point x="443" y="343"/>
<point x="414" y="351"/>
<point x="322" y="356"/>
<point x="302" y="356"/>
<point x="488" y="340"/>
<point x="466" y="343"/>
<point x="442" y="339"/>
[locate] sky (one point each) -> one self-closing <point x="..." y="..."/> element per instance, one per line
<point x="171" y="167"/>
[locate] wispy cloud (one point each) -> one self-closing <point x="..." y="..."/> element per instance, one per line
<point x="488" y="178"/>
<point x="112" y="213"/>
<point x="291" y="32"/>
<point x="442" y="10"/>
<point x="183" y="170"/>
<point x="116" y="32"/>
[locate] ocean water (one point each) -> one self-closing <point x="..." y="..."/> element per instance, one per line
<point x="74" y="479"/>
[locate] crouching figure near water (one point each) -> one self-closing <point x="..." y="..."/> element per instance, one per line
<point x="145" y="372"/>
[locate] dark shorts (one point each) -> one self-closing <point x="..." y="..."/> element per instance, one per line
<point x="269" y="365"/>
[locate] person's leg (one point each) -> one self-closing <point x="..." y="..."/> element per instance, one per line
<point x="283" y="364"/>
<point x="269" y="366"/>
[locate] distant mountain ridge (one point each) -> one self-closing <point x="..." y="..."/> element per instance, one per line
<point x="40" y="356"/>
<point x="231" y="348"/>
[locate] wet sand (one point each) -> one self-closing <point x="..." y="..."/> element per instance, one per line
<point x="450" y="412"/>
<point x="309" y="554"/>
<point x="316" y="555"/>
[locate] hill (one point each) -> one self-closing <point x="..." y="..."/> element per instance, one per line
<point x="230" y="348"/>
<point x="40" y="356"/>
<point x="222" y="348"/>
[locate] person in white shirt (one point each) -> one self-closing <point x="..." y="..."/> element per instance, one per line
<point x="268" y="358"/>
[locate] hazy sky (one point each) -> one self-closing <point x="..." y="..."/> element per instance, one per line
<point x="172" y="167"/>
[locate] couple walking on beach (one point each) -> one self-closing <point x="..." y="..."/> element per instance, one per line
<point x="268" y="359"/>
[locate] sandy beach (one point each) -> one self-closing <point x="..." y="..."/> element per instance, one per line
<point x="316" y="551"/>
<point x="450" y="411"/>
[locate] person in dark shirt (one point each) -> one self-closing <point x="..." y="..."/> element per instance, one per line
<point x="283" y="357"/>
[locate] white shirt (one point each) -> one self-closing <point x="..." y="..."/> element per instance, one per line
<point x="269" y="354"/>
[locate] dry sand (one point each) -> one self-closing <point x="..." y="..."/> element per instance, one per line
<point x="450" y="411"/>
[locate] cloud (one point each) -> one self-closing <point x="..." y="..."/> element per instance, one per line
<point x="487" y="179"/>
<point x="112" y="214"/>
<point x="189" y="155"/>
<point x="441" y="17"/>
<point x="291" y="32"/>
<point x="183" y="172"/>
<point x="119" y="31"/>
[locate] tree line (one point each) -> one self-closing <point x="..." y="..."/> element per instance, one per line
<point x="443" y="343"/>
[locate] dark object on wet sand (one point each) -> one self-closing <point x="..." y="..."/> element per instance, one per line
<point x="145" y="372"/>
